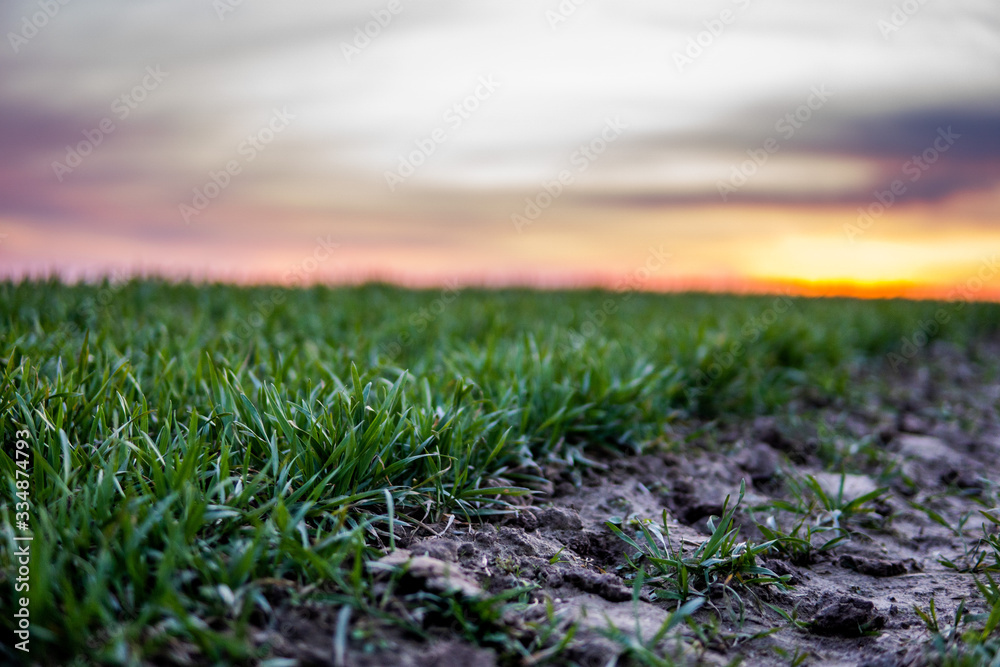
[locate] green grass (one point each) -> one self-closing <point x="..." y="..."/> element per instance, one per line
<point x="834" y="511"/>
<point x="722" y="562"/>
<point x="969" y="640"/>
<point x="803" y="540"/>
<point x="191" y="445"/>
<point x="984" y="556"/>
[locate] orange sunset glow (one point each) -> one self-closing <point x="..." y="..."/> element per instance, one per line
<point x="792" y="146"/>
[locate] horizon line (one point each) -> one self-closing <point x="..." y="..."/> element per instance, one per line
<point x="803" y="288"/>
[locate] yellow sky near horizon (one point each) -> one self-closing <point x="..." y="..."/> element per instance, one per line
<point x="751" y="247"/>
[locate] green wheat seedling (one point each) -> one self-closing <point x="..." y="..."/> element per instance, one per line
<point x="803" y="541"/>
<point x="984" y="556"/>
<point x="808" y="498"/>
<point x="961" y="643"/>
<point x="991" y="539"/>
<point x="837" y="508"/>
<point x="722" y="561"/>
<point x="822" y="520"/>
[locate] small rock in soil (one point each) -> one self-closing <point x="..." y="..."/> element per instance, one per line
<point x="846" y="616"/>
<point x="874" y="567"/>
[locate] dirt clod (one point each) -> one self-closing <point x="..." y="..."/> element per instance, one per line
<point x="442" y="549"/>
<point x="526" y="520"/>
<point x="430" y="573"/>
<point x="559" y="518"/>
<point x="608" y="586"/>
<point x="846" y="616"/>
<point x="874" y="567"/>
<point x="760" y="462"/>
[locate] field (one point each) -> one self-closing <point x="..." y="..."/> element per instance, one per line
<point x="373" y="476"/>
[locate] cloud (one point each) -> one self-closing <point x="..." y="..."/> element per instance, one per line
<point x="689" y="129"/>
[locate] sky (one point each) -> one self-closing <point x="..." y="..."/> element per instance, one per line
<point x="849" y="147"/>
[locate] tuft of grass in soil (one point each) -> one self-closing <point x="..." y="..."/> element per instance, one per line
<point x="722" y="563"/>
<point x="195" y="447"/>
<point x="963" y="642"/>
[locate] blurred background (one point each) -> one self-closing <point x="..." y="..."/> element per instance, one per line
<point x="747" y="145"/>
